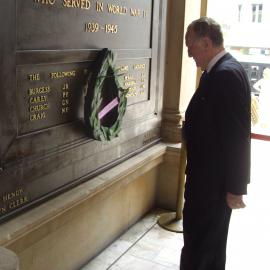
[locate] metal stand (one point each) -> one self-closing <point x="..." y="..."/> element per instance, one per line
<point x="173" y="221"/>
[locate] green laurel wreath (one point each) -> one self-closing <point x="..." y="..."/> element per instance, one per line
<point x="103" y="66"/>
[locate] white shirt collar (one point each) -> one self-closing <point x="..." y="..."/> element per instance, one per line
<point x="214" y="60"/>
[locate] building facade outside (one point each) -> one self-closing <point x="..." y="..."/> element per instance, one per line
<point x="245" y="26"/>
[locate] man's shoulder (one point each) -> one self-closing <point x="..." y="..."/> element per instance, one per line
<point x="228" y="64"/>
<point x="230" y="72"/>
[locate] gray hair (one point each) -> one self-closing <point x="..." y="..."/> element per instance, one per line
<point x="207" y="27"/>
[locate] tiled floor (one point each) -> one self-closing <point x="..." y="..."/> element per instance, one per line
<point x="143" y="246"/>
<point x="147" y="246"/>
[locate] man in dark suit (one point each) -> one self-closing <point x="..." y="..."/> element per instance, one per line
<point x="217" y="136"/>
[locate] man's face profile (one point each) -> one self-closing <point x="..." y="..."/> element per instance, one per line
<point x="195" y="48"/>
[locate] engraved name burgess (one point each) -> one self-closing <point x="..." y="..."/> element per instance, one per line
<point x="39" y="90"/>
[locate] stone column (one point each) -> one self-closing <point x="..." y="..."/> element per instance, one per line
<point x="179" y="86"/>
<point x="180" y="70"/>
<point x="171" y="124"/>
<point x="8" y="260"/>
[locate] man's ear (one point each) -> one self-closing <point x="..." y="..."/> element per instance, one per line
<point x="206" y="42"/>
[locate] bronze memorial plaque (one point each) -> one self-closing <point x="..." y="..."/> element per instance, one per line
<point x="48" y="51"/>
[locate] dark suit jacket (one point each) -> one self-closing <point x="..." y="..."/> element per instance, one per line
<point x="217" y="133"/>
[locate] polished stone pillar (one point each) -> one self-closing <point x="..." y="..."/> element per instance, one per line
<point x="180" y="84"/>
<point x="180" y="70"/>
<point x="171" y="125"/>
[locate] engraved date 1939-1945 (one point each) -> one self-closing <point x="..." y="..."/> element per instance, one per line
<point x="94" y="27"/>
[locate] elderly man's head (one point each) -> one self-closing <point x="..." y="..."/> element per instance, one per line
<point x="204" y="39"/>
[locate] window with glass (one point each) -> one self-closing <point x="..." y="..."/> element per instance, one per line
<point x="257" y="13"/>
